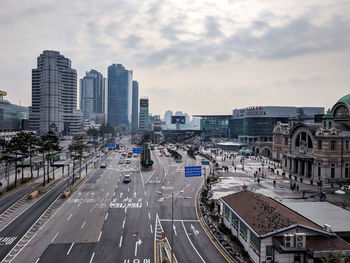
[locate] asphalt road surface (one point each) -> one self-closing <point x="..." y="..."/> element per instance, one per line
<point x="107" y="220"/>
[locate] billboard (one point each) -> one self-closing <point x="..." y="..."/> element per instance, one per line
<point x="178" y="120"/>
<point x="143" y="102"/>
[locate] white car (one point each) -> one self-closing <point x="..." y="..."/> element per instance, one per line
<point x="127" y="178"/>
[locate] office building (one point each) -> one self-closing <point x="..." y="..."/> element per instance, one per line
<point x="214" y="125"/>
<point x="92" y="95"/>
<point x="256" y="123"/>
<point x="144" y="115"/>
<point x="119" y="96"/>
<point x="135" y="106"/>
<point x="12" y="117"/>
<point x="54" y="95"/>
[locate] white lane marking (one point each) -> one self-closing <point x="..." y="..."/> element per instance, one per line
<point x="121" y="194"/>
<point x="92" y="257"/>
<point x="145" y="193"/>
<point x="82" y="226"/>
<point x="70" y="249"/>
<point x="126" y="209"/>
<point x="92" y="186"/>
<point x="99" y="236"/>
<point x="147" y="203"/>
<point x="116" y="187"/>
<point x="149" y="215"/>
<point x="151" y="228"/>
<point x="138" y="243"/>
<point x="79" y="204"/>
<point x="106" y="216"/>
<point x="54" y="237"/>
<point x="120" y="241"/>
<point x="37" y="260"/>
<point x="134" y="194"/>
<point x="128" y="189"/>
<point x="123" y="222"/>
<point x="183" y="225"/>
<point x="113" y="194"/>
<point x="107" y="195"/>
<point x="69" y="217"/>
<point x="174" y="228"/>
<point x="91" y="210"/>
<point x="143" y="183"/>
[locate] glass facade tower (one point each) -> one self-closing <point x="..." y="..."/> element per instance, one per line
<point x="92" y="94"/>
<point x="135" y="106"/>
<point x="119" y="96"/>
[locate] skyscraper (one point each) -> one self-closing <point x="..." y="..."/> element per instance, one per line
<point x="92" y="94"/>
<point x="167" y="118"/>
<point x="135" y="106"/>
<point x="54" y="95"/>
<point x="144" y="118"/>
<point x="119" y="96"/>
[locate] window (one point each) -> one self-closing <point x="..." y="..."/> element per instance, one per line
<point x="227" y="212"/>
<point x="319" y="170"/>
<point x="285" y="162"/>
<point x="332" y="170"/>
<point x="234" y="220"/>
<point x="324" y="125"/>
<point x="278" y="138"/>
<point x="347" y="148"/>
<point x="254" y="242"/>
<point x="332" y="145"/>
<point x="243" y="230"/>
<point x="269" y="251"/>
<point x="347" y="170"/>
<point x="330" y="124"/>
<point x="320" y="144"/>
<point x="286" y="141"/>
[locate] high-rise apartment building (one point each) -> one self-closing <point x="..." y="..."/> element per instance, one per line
<point x="119" y="96"/>
<point x="92" y="95"/>
<point x="54" y="95"/>
<point x="135" y="106"/>
<point x="144" y="115"/>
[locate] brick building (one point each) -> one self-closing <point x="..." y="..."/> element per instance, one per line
<point x="271" y="232"/>
<point x="316" y="150"/>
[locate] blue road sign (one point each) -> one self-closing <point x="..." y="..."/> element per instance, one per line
<point x="193" y="171"/>
<point x="205" y="162"/>
<point x="111" y="145"/>
<point x="137" y="150"/>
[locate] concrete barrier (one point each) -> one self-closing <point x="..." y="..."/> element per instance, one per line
<point x="65" y="194"/>
<point x="33" y="194"/>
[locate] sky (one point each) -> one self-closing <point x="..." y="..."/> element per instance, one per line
<point x="197" y="56"/>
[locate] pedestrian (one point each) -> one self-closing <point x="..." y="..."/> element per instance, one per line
<point x="235" y="168"/>
<point x="297" y="187"/>
<point x="303" y="194"/>
<point x="258" y="180"/>
<point x="274" y="182"/>
<point x="344" y="204"/>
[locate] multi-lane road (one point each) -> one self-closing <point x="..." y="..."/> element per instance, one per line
<point x="107" y="220"/>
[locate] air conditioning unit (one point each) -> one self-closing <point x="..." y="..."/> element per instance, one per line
<point x="288" y="240"/>
<point x="300" y="240"/>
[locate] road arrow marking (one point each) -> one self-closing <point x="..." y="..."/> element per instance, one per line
<point x="174" y="228"/>
<point x="138" y="243"/>
<point x="195" y="231"/>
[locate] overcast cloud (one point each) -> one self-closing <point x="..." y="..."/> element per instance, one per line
<point x="201" y="57"/>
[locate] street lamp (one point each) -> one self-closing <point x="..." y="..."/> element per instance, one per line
<point x="290" y="178"/>
<point x="166" y="197"/>
<point x="262" y="169"/>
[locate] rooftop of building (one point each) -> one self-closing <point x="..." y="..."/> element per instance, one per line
<point x="264" y="214"/>
<point x="218" y="115"/>
<point x="315" y="126"/>
<point x="323" y="213"/>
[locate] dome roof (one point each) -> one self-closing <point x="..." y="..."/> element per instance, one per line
<point x="328" y="115"/>
<point x="345" y="99"/>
